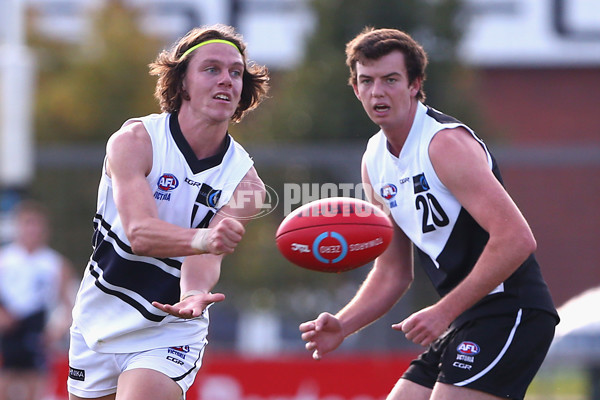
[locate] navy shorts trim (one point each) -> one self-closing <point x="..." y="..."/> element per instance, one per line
<point x="499" y="355"/>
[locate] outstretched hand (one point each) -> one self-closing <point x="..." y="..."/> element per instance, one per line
<point x="322" y="335"/>
<point x="192" y="306"/>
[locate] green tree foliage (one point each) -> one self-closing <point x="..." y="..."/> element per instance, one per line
<point x="314" y="101"/>
<point x="87" y="88"/>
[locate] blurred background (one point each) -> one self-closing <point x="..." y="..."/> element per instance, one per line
<point x="525" y="74"/>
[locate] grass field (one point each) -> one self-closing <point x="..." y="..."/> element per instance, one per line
<point x="560" y="384"/>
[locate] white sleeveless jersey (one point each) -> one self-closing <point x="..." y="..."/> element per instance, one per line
<point x="29" y="282"/>
<point x="447" y="240"/>
<point x="419" y="203"/>
<point x="113" y="309"/>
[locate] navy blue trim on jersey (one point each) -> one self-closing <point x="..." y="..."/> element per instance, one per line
<point x="194" y="163"/>
<point x="461" y="252"/>
<point x="147" y="280"/>
<point x="142" y="310"/>
<point x="441" y="117"/>
<point x="525" y="288"/>
<point x="124" y="272"/>
<point x="97" y="236"/>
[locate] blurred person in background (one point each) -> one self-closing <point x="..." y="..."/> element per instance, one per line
<point x="36" y="297"/>
<point x="175" y="193"/>
<point x="490" y="331"/>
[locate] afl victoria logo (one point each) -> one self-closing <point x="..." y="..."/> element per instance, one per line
<point x="388" y="191"/>
<point x="468" y="348"/>
<point x="167" y="182"/>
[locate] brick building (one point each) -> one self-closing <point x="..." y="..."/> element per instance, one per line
<point x="538" y="85"/>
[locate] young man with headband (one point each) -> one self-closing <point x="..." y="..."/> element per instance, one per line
<point x="175" y="193"/>
<point x="490" y="331"/>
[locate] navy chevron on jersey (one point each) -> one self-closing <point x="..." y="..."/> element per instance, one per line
<point x="447" y="240"/>
<point x="113" y="309"/>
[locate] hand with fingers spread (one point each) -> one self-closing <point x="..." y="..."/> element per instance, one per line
<point x="322" y="335"/>
<point x="190" y="306"/>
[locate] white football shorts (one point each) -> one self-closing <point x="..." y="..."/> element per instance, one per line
<point x="93" y="374"/>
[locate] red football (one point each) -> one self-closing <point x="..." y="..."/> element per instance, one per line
<point x="334" y="234"/>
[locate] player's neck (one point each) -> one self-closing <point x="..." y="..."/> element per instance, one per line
<point x="205" y="137"/>
<point x="396" y="136"/>
<point x="397" y="131"/>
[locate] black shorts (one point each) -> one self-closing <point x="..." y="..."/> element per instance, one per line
<point x="23" y="347"/>
<point x="498" y="355"/>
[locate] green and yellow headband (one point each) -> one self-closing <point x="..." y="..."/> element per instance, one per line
<point x="188" y="51"/>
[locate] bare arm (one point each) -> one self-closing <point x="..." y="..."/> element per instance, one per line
<point x="461" y="164"/>
<point x="385" y="284"/>
<point x="129" y="160"/>
<point x="200" y="273"/>
<point x="245" y="203"/>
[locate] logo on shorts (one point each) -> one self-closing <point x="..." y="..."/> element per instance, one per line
<point x="77" y="374"/>
<point x="468" y="348"/>
<point x="179" y="351"/>
<point x="175" y="360"/>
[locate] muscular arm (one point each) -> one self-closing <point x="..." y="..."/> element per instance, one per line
<point x="461" y="164"/>
<point x="200" y="273"/>
<point x="129" y="160"/>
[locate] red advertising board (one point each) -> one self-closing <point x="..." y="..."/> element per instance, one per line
<point x="287" y="377"/>
<point x="298" y="377"/>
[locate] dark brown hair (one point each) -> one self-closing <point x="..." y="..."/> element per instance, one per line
<point x="372" y="44"/>
<point x="170" y="68"/>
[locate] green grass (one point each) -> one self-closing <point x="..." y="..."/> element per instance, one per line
<point x="560" y="384"/>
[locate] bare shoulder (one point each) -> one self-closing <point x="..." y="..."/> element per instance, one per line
<point x="455" y="142"/>
<point x="130" y="147"/>
<point x="252" y="180"/>
<point x="247" y="200"/>
<point x="251" y="187"/>
<point x="455" y="153"/>
<point x="133" y="134"/>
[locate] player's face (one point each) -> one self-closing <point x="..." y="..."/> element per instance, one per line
<point x="384" y="90"/>
<point x="32" y="230"/>
<point x="214" y="81"/>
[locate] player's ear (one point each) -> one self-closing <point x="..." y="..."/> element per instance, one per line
<point x="184" y="93"/>
<point x="355" y="88"/>
<point x="415" y="86"/>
